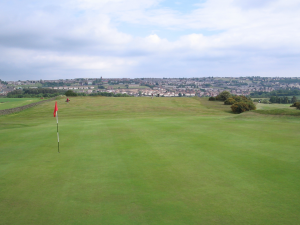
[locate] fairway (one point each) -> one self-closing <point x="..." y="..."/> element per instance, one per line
<point x="148" y="161"/>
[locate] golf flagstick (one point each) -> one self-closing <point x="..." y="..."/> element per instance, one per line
<point x="56" y="115"/>
<point x="57" y="133"/>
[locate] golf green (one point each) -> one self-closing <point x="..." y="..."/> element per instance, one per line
<point x="148" y="161"/>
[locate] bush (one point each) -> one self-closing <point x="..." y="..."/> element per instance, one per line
<point x="229" y="101"/>
<point x="296" y="104"/>
<point x="240" y="98"/>
<point x="223" y="96"/>
<point x="70" y="93"/>
<point x="211" y="98"/>
<point x="240" y="107"/>
<point x="265" y="101"/>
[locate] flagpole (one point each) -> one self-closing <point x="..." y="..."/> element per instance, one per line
<point x="57" y="133"/>
<point x="56" y="115"/>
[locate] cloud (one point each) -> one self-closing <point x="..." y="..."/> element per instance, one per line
<point x="220" y="37"/>
<point x="250" y="4"/>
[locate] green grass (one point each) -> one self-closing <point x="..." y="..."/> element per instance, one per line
<point x="277" y="109"/>
<point x="7" y="103"/>
<point x="148" y="161"/>
<point x="261" y="106"/>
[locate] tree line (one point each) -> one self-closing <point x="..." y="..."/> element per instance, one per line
<point x="283" y="100"/>
<point x="107" y="94"/>
<point x="278" y="100"/>
<point x="281" y="92"/>
<point x="34" y="93"/>
<point x="49" y="93"/>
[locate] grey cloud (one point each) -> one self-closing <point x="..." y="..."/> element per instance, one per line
<point x="51" y="32"/>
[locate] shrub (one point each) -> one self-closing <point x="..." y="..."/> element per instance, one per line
<point x="240" y="98"/>
<point x="240" y="107"/>
<point x="296" y="104"/>
<point x="229" y="101"/>
<point x="223" y="96"/>
<point x="251" y="105"/>
<point x="210" y="99"/>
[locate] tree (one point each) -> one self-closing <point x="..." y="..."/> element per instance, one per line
<point x="212" y="99"/>
<point x="294" y="99"/>
<point x="286" y="100"/>
<point x="180" y="95"/>
<point x="3" y="82"/>
<point x="279" y="100"/>
<point x="70" y="93"/>
<point x="273" y="99"/>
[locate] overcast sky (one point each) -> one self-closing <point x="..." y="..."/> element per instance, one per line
<point x="148" y="38"/>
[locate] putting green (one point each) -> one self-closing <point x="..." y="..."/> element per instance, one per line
<point x="148" y="161"/>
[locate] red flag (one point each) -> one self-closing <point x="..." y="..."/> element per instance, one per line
<point x="55" y="109"/>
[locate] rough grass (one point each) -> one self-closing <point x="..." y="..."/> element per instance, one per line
<point x="277" y="109"/>
<point x="7" y="103"/>
<point x="148" y="161"/>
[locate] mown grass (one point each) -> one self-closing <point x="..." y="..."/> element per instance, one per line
<point x="148" y="161"/>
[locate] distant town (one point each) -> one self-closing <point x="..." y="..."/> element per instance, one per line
<point x="165" y="87"/>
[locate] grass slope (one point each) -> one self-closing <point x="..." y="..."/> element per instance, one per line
<point x="7" y="103"/>
<point x="148" y="161"/>
<point x="277" y="109"/>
